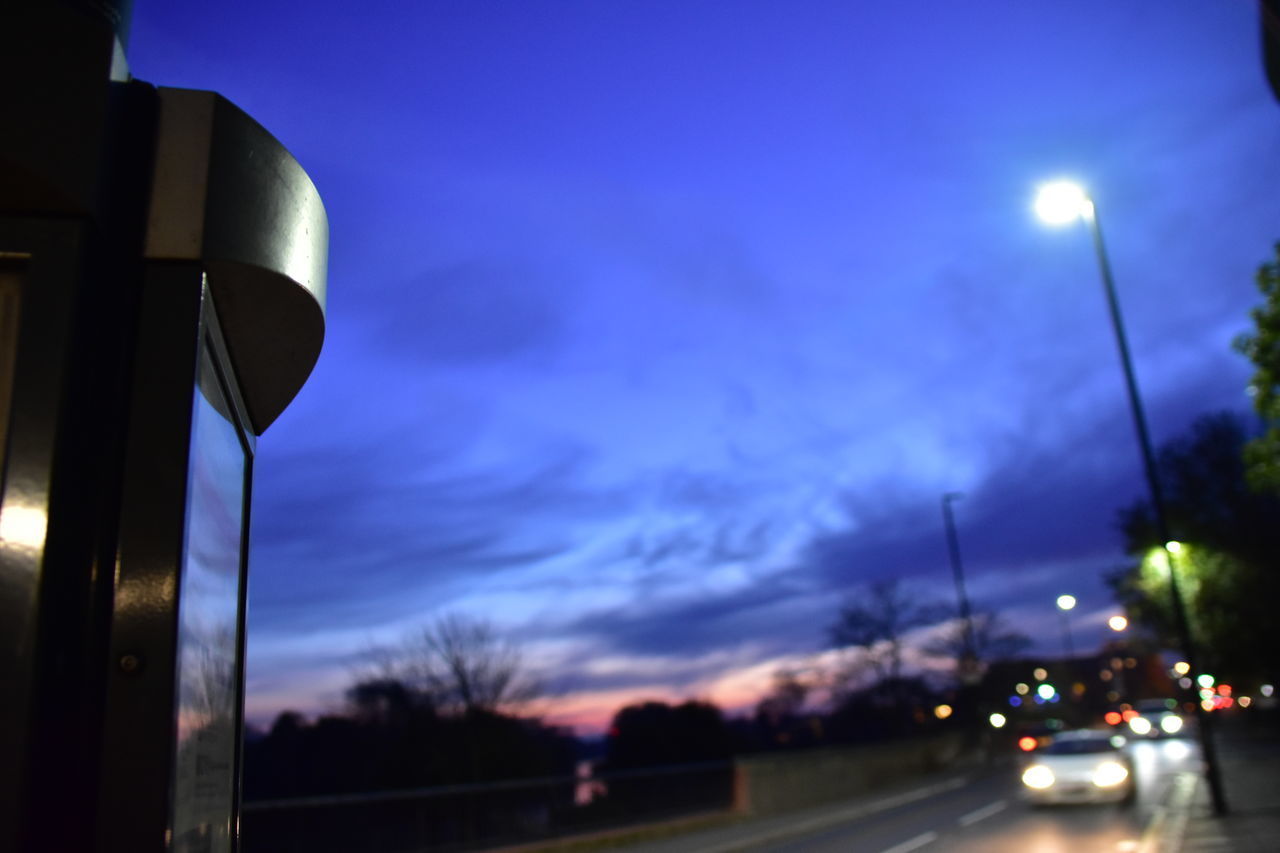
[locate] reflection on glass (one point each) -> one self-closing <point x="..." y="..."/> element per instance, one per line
<point x="209" y="620"/>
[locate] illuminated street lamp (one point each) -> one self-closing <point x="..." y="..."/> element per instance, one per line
<point x="1117" y="623"/>
<point x="1065" y="603"/>
<point x="1062" y="203"/>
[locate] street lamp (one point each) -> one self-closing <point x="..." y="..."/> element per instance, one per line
<point x="1061" y="203"/>
<point x="1119" y="623"/>
<point x="1065" y="603"/>
<point x="969" y="651"/>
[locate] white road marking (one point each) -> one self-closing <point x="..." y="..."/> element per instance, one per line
<point x="842" y="816"/>
<point x="1151" y="835"/>
<point x="1164" y="832"/>
<point x="983" y="813"/>
<point x="1179" y="808"/>
<point x="913" y="843"/>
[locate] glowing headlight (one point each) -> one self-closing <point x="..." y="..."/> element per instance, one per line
<point x="1038" y="776"/>
<point x="1171" y="724"/>
<point x="1108" y="774"/>
<point x="1140" y="725"/>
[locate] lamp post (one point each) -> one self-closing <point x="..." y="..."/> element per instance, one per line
<point x="1061" y="203"/>
<point x="1066" y="603"/>
<point x="969" y="652"/>
<point x="1119" y="624"/>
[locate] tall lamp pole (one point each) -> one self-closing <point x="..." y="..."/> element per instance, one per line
<point x="969" y="651"/>
<point x="1060" y="203"/>
<point x="1065" y="603"/>
<point x="1118" y="624"/>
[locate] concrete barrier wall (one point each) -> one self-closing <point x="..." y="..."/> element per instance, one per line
<point x="772" y="784"/>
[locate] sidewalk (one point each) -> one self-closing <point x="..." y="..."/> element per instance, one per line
<point x="1250" y="762"/>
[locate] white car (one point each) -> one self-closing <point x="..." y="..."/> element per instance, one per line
<point x="1084" y="766"/>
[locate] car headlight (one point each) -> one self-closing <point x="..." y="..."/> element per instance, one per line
<point x="1140" y="725"/>
<point x="1108" y="774"/>
<point x="1038" y="776"/>
<point x="1171" y="724"/>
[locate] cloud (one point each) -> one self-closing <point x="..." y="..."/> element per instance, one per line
<point x="695" y="623"/>
<point x="364" y="535"/>
<point x="470" y="312"/>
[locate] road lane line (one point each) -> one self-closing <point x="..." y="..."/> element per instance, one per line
<point x="1168" y="821"/>
<point x="983" y="813"/>
<point x="1180" y="807"/>
<point x="1149" y="843"/>
<point x="913" y="843"/>
<point x="829" y="819"/>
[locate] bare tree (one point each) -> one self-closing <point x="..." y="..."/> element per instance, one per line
<point x="786" y="699"/>
<point x="877" y="623"/>
<point x="460" y="665"/>
<point x="992" y="640"/>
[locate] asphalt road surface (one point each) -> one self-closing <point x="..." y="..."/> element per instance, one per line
<point x="988" y="815"/>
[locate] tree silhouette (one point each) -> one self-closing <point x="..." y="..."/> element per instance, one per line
<point x="876" y="623"/>
<point x="1228" y="568"/>
<point x="459" y="665"/>
<point x="1263" y="348"/>
<point x="653" y="734"/>
<point x="786" y="697"/>
<point x="439" y="709"/>
<point x="992" y="640"/>
<point x="782" y="718"/>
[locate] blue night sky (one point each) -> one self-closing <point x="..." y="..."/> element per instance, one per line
<point x="656" y="329"/>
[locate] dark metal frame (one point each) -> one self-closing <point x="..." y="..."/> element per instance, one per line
<point x="178" y="321"/>
<point x="45" y="256"/>
<point x="125" y="213"/>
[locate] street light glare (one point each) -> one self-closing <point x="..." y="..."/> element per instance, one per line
<point x="1062" y="202"/>
<point x="1118" y="623"/>
<point x="1173" y="547"/>
<point x="1066" y="602"/>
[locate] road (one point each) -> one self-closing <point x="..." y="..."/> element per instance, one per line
<point x="987" y="815"/>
